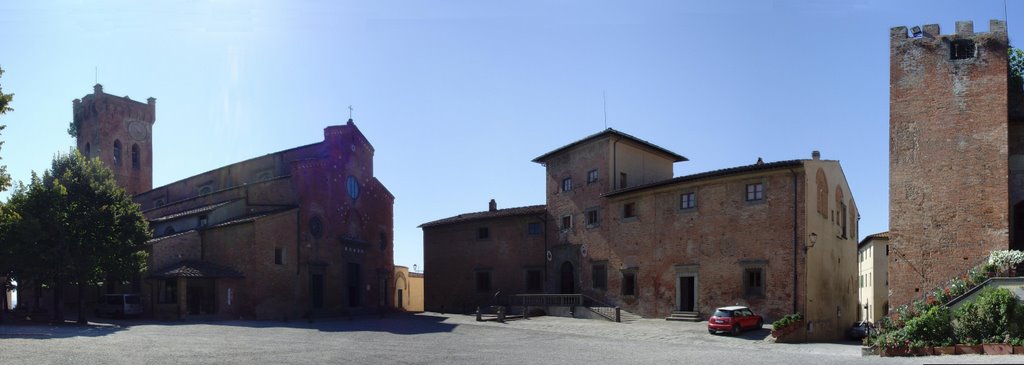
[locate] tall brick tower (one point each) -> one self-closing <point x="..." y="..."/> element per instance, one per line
<point x="948" y="154"/>
<point x="118" y="131"/>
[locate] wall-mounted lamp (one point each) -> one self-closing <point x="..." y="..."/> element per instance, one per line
<point x="812" y="240"/>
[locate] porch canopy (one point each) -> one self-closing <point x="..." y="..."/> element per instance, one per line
<point x="195" y="269"/>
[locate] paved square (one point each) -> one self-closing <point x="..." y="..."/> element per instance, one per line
<point x="414" y="339"/>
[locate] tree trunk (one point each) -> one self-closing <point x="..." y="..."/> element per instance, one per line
<point x="58" y="313"/>
<point x="3" y="300"/>
<point x="81" y="303"/>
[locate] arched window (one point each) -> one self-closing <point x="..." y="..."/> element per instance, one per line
<point x="822" y="183"/>
<point x="117" y="152"/>
<point x="135" y="156"/>
<point x="88" y="150"/>
<point x="168" y="231"/>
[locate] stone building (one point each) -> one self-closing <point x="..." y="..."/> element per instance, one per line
<point x="619" y="228"/>
<point x="873" y="277"/>
<point x="301" y="232"/>
<point x="956" y="157"/>
<point x="408" y="290"/>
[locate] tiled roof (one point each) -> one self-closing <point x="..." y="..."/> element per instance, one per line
<point x="508" y="212"/>
<point x="710" y="174"/>
<point x="202" y="209"/>
<point x="250" y="218"/>
<point x="675" y="157"/>
<point x="196" y="269"/>
<point x="161" y="238"/>
<point x="880" y="235"/>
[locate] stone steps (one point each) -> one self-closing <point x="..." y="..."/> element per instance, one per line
<point x="684" y="316"/>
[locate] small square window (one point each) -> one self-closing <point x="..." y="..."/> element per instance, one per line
<point x="629" y="210"/>
<point x="755" y="192"/>
<point x="687" y="201"/>
<point x="483" y="281"/>
<point x="592" y="176"/>
<point x="622" y="181"/>
<point x="483" y="233"/>
<point x="533" y="229"/>
<point x="566" y="222"/>
<point x="961" y="49"/>
<point x="592" y="218"/>
<point x="279" y="256"/>
<point x="567" y="184"/>
<point x="203" y="221"/>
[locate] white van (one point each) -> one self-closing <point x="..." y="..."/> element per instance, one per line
<point x="119" y="305"/>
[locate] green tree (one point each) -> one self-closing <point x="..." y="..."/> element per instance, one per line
<point x="78" y="227"/>
<point x="5" y="215"/>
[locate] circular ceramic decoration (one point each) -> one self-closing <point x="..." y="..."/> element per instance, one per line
<point x="549" y="255"/>
<point x="353" y="187"/>
<point x="583" y="250"/>
<point x="316" y="227"/>
<point x="138" y="130"/>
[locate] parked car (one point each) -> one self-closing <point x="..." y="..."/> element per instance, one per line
<point x="859" y="330"/>
<point x="119" y="305"/>
<point x="734" y="319"/>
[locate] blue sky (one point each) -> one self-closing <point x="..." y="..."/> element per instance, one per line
<point x="458" y="96"/>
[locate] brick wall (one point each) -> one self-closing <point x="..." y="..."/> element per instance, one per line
<point x="948" y="192"/>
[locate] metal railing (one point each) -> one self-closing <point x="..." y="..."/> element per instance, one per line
<point x="602" y="309"/>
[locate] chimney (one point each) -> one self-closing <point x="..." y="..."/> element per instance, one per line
<point x="816" y="155"/>
<point x="759" y="162"/>
<point x="97" y="89"/>
<point x="492" y="206"/>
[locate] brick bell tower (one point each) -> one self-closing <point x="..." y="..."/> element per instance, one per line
<point x="117" y="130"/>
<point x="948" y="154"/>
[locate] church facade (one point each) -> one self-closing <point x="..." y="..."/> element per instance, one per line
<point x="297" y="233"/>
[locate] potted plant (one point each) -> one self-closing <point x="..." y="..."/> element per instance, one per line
<point x="996" y="347"/>
<point x="787" y="324"/>
<point x="945" y="347"/>
<point x="919" y="348"/>
<point x="970" y="347"/>
<point x="1018" y="345"/>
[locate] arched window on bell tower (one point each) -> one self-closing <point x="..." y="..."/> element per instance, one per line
<point x="117" y="152"/>
<point x="135" y="156"/>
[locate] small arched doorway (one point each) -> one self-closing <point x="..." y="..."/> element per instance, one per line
<point x="568" y="278"/>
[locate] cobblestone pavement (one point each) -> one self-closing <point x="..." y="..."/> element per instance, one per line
<point x="424" y="338"/>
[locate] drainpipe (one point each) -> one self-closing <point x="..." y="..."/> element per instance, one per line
<point x="796" y="237"/>
<point x="545" y="258"/>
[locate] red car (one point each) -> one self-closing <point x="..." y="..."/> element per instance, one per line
<point x="734" y="320"/>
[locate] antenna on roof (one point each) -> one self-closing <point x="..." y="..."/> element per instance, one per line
<point x="604" y="105"/>
<point x="350" y="112"/>
<point x="96" y="75"/>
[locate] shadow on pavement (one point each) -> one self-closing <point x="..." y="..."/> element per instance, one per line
<point x="395" y="323"/>
<point x="25" y="329"/>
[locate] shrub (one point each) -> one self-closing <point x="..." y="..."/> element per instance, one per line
<point x="1004" y="258"/>
<point x="787" y="320"/>
<point x="993" y="317"/>
<point x="932" y="328"/>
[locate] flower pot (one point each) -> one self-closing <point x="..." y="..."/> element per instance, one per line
<point x="962" y="349"/>
<point x="921" y="351"/>
<point x="997" y="348"/>
<point x="1018" y="350"/>
<point x="944" y="350"/>
<point x="895" y="351"/>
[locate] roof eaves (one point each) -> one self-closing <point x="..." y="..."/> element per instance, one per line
<point x="674" y="156"/>
<point x="709" y="174"/>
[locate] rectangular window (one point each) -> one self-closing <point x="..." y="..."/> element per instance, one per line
<point x="592" y="218"/>
<point x="592" y="176"/>
<point x="533" y="229"/>
<point x="533" y="281"/>
<point x="842" y="218"/>
<point x="203" y="220"/>
<point x="753" y="282"/>
<point x="961" y="49"/>
<point x="566" y="222"/>
<point x="600" y="276"/>
<point x="483" y="281"/>
<point x="687" y="201"/>
<point x="279" y="256"/>
<point x="755" y="192"/>
<point x="629" y="283"/>
<point x="622" y="181"/>
<point x="170" y="292"/>
<point x="567" y="184"/>
<point x="887" y="250"/>
<point x="629" y="210"/>
<point x="483" y="233"/>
